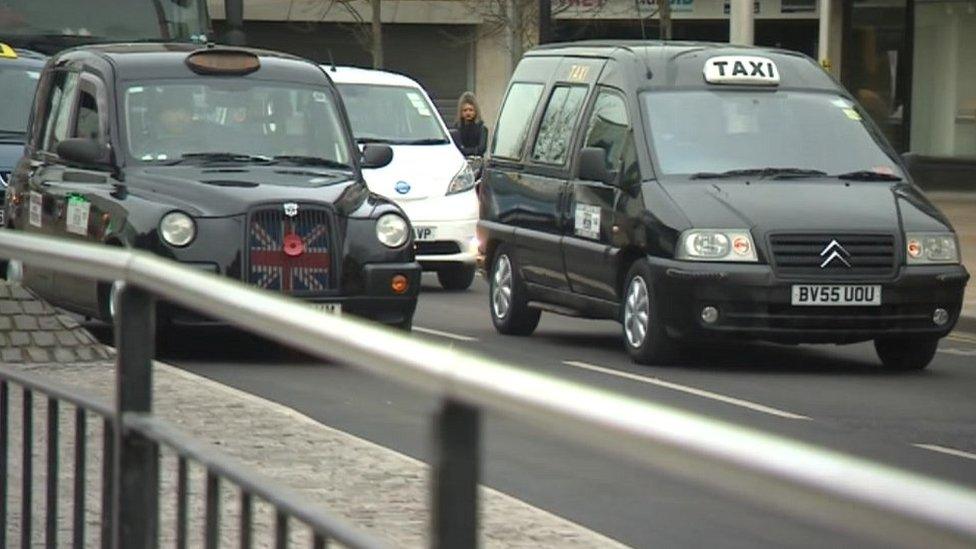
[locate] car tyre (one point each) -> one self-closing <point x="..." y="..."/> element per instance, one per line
<point x="456" y="277"/>
<point x="644" y="334"/>
<point x="906" y="353"/>
<point x="507" y="301"/>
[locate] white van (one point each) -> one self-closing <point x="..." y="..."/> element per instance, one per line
<point x="428" y="177"/>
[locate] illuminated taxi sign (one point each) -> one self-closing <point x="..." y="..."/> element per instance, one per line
<point x="223" y="61"/>
<point x="7" y="52"/>
<point x="741" y="69"/>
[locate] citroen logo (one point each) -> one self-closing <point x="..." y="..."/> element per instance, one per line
<point x="291" y="209"/>
<point x="834" y="251"/>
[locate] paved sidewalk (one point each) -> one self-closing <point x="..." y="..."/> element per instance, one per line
<point x="377" y="489"/>
<point x="960" y="208"/>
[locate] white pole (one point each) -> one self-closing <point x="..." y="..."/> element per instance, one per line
<point x="741" y="22"/>
<point x="823" y="38"/>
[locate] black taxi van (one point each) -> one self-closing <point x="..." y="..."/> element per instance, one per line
<point x="239" y="162"/>
<point x="696" y="191"/>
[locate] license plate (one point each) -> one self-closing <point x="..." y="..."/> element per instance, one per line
<point x="424" y="233"/>
<point x="331" y="308"/>
<point x="823" y="295"/>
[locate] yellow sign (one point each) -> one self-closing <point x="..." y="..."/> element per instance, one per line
<point x="578" y="73"/>
<point x="852" y="114"/>
<point x="7" y="52"/>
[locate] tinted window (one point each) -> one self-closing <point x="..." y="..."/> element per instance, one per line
<point x="514" y="121"/>
<point x="166" y="119"/>
<point x="17" y="90"/>
<point x="609" y="129"/>
<point x="556" y="130"/>
<point x="88" y="122"/>
<point x="60" y="104"/>
<point x="712" y="131"/>
<point x="391" y="113"/>
<point x="103" y="20"/>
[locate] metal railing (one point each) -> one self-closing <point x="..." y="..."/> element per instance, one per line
<point x="868" y="499"/>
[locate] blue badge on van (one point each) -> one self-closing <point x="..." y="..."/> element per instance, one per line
<point x="402" y="187"/>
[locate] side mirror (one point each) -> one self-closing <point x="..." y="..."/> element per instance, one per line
<point x="83" y="151"/>
<point x="377" y="155"/>
<point x="592" y="166"/>
<point x="455" y="136"/>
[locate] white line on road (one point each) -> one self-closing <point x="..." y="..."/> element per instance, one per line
<point x="448" y="335"/>
<point x="944" y="450"/>
<point x="689" y="390"/>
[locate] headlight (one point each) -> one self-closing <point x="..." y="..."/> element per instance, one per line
<point x="392" y="230"/>
<point x="929" y="248"/>
<point x="716" y="245"/>
<point x="177" y="229"/>
<point x="463" y="181"/>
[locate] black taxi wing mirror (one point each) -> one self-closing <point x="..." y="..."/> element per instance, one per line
<point x="87" y="152"/>
<point x="377" y="155"/>
<point x="592" y="166"/>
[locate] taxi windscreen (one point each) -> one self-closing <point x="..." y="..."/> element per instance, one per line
<point x="393" y="114"/>
<point x="17" y="86"/>
<point x="165" y="121"/>
<point x="713" y="132"/>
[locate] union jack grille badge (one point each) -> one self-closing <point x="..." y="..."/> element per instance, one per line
<point x="291" y="209"/>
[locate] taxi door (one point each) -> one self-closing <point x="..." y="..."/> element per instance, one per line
<point x="547" y="172"/>
<point x="600" y="212"/>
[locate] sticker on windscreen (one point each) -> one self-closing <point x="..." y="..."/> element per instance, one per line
<point x="319" y="97"/>
<point x="418" y="103"/>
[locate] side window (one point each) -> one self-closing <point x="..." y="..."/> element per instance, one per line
<point x="513" y="124"/>
<point x="60" y="109"/>
<point x="91" y="106"/>
<point x="609" y="129"/>
<point x="556" y="129"/>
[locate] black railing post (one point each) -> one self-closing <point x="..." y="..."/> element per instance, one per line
<point x="136" y="505"/>
<point x="457" y="451"/>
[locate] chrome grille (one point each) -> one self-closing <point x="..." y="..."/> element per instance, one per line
<point x="810" y="254"/>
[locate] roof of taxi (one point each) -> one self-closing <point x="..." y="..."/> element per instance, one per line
<point x="679" y="64"/>
<point x="357" y="75"/>
<point x="167" y="60"/>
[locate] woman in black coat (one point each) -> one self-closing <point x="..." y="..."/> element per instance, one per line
<point x="473" y="133"/>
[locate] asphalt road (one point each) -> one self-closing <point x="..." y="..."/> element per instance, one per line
<point x="838" y="397"/>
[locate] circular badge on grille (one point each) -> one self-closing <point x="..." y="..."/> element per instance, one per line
<point x="293" y="245"/>
<point x="402" y="187"/>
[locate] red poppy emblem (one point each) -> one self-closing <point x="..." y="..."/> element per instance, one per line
<point x="293" y="245"/>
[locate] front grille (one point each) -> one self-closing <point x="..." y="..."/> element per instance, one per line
<point x="291" y="255"/>
<point x="437" y="247"/>
<point x="853" y="255"/>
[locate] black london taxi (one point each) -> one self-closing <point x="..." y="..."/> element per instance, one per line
<point x="19" y="71"/>
<point x="234" y="161"/>
<point x="697" y="191"/>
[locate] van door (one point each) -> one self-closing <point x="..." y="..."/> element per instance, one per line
<point x="547" y="175"/>
<point x="602" y="212"/>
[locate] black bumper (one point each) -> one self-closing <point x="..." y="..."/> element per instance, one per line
<point x="374" y="299"/>
<point x="754" y="303"/>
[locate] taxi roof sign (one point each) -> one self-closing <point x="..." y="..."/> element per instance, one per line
<point x="227" y="61"/>
<point x="747" y="70"/>
<point x="7" y="52"/>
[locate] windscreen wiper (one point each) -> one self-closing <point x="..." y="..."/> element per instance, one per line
<point x="774" y="173"/>
<point x="300" y="160"/>
<point x="868" y="175"/>
<point x="373" y="140"/>
<point x="222" y="157"/>
<point x="427" y="141"/>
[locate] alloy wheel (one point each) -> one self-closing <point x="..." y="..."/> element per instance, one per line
<point x="636" y="312"/>
<point x="501" y="288"/>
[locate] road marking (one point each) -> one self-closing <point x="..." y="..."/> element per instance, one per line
<point x="963" y="337"/>
<point x="448" y="335"/>
<point x="959" y="352"/>
<point x="944" y="450"/>
<point x="689" y="390"/>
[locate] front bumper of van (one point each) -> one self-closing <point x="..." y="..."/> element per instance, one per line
<point x="752" y="302"/>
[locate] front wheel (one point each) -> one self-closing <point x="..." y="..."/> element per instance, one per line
<point x="510" y="312"/>
<point x="906" y="353"/>
<point x="456" y="277"/>
<point x="645" y="337"/>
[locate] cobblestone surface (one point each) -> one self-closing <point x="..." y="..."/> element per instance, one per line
<point x="377" y="489"/>
<point x="32" y="331"/>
